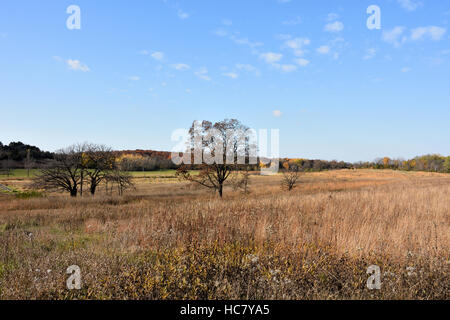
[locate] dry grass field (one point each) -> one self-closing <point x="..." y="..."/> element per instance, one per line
<point x="171" y="240"/>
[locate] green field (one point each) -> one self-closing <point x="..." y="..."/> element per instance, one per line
<point x="23" y="173"/>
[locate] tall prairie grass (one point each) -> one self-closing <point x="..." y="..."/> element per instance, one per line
<point x="173" y="241"/>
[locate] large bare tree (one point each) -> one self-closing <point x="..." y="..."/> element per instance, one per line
<point x="217" y="150"/>
<point x="64" y="173"/>
<point x="98" y="162"/>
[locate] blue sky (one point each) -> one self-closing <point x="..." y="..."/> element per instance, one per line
<point x="137" y="70"/>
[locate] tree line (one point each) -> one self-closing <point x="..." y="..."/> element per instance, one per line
<point x="429" y="163"/>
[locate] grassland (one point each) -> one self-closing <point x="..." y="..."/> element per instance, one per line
<point x="23" y="173"/>
<point x="172" y="240"/>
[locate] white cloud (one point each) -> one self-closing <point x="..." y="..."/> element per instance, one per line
<point x="245" y="41"/>
<point x="57" y="58"/>
<point x="188" y="91"/>
<point x="134" y="78"/>
<point x="370" y="53"/>
<point x="336" y="26"/>
<point x="157" y="55"/>
<point x="435" y="33"/>
<point x="394" y="36"/>
<point x="332" y="17"/>
<point x="227" y="22"/>
<point x="248" y="68"/>
<point x="409" y="5"/>
<point x="405" y="69"/>
<point x="231" y="75"/>
<point x="183" y="15"/>
<point x="277" y="113"/>
<point x="163" y="84"/>
<point x="324" y="50"/>
<point x="202" y="73"/>
<point x="288" y="68"/>
<point x="181" y="66"/>
<point x="220" y="32"/>
<point x="271" y="57"/>
<point x="76" y="65"/>
<point x="296" y="21"/>
<point x="297" y="45"/>
<point x="302" y="62"/>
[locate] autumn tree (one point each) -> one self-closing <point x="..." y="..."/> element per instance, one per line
<point x="217" y="149"/>
<point x="291" y="175"/>
<point x="121" y="179"/>
<point x="64" y="173"/>
<point x="98" y="161"/>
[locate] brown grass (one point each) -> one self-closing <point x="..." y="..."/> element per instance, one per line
<point x="173" y="241"/>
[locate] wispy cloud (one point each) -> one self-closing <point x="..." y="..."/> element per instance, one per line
<point x="245" y="41"/>
<point x="202" y="73"/>
<point x="181" y="66"/>
<point x="432" y="32"/>
<point x="277" y="113"/>
<point x="134" y="78"/>
<point x="271" y="57"/>
<point x="405" y="69"/>
<point x="302" y="62"/>
<point x="397" y="37"/>
<point x="77" y="65"/>
<point x="227" y="22"/>
<point x="297" y="45"/>
<point x="286" y="68"/>
<point x="248" y="68"/>
<point x="394" y="36"/>
<point x="158" y="55"/>
<point x="293" y="22"/>
<point x="410" y="5"/>
<point x="370" y="53"/>
<point x="182" y="14"/>
<point x="332" y="16"/>
<point x="231" y="75"/>
<point x="336" y="26"/>
<point x="323" y="50"/>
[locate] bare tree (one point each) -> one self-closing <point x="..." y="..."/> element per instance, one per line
<point x="122" y="180"/>
<point x="241" y="180"/>
<point x="98" y="162"/>
<point x="219" y="145"/>
<point x="291" y="174"/>
<point x="64" y="174"/>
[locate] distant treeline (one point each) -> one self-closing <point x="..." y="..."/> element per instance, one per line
<point x="430" y="163"/>
<point x="19" y="155"/>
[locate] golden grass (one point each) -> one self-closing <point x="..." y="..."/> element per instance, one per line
<point x="174" y="241"/>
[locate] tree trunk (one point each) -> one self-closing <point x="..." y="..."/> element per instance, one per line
<point x="81" y="184"/>
<point x="220" y="190"/>
<point x="73" y="192"/>
<point x="93" y="188"/>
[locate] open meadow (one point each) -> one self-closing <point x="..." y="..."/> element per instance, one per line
<point x="170" y="240"/>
